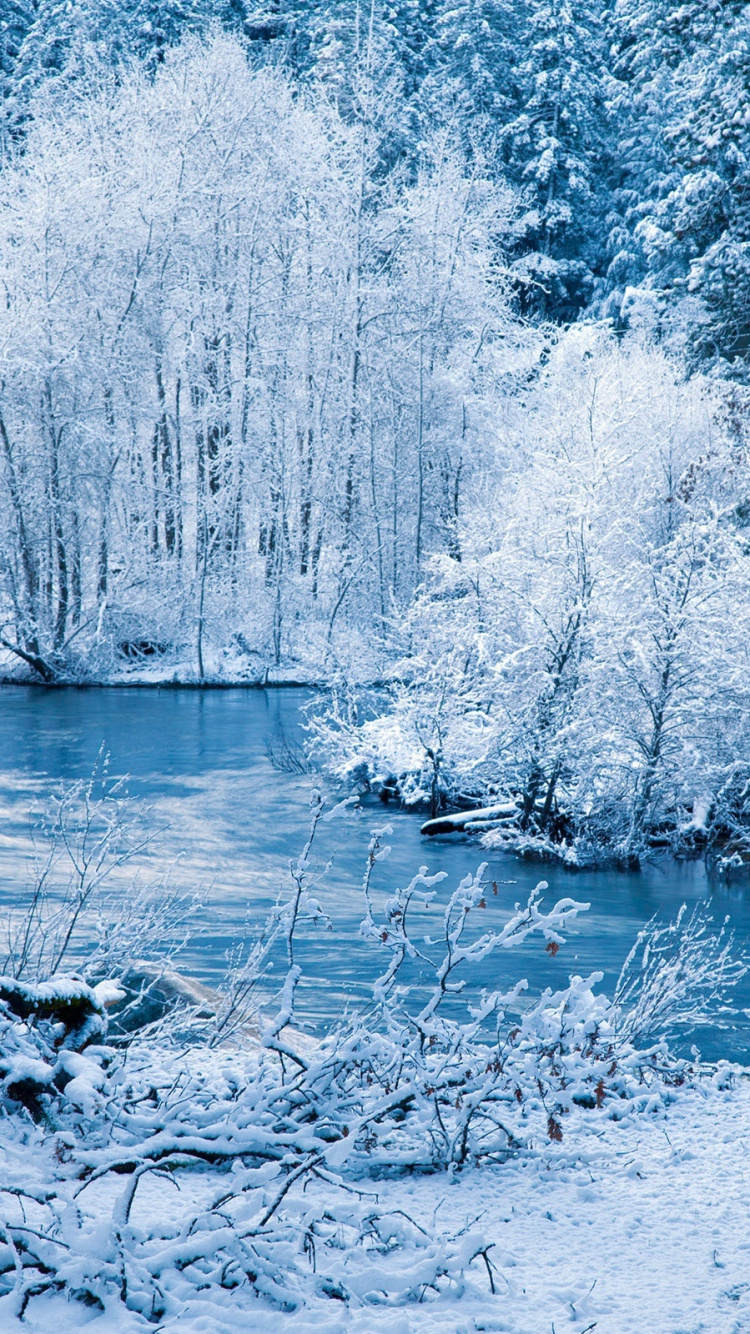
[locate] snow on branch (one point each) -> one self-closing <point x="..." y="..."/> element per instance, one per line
<point x="278" y="1144"/>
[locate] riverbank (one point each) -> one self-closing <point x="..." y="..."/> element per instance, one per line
<point x="155" y="682"/>
<point x="214" y="773"/>
<point x="622" y="1228"/>
<point x="166" y="675"/>
<point x="309" y="661"/>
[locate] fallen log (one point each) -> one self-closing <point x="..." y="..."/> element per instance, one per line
<point x="469" y="821"/>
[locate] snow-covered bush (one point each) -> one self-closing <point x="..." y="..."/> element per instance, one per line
<point x="44" y="1031"/>
<point x="276" y="1139"/>
<point x="728" y="831"/>
<point x="675" y="977"/>
<point x="88" y="904"/>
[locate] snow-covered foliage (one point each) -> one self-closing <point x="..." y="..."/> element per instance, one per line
<point x="622" y="126"/>
<point x="583" y="653"/>
<point x="87" y="903"/>
<point x="675" y="975"/>
<point x="256" y="352"/>
<point x="45" y="1029"/>
<point x="425" y="1078"/>
<point x="278" y="394"/>
<point x="271" y="401"/>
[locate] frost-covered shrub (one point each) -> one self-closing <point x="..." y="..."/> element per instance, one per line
<point x="276" y="1139"/>
<point x="728" y="830"/>
<point x="675" y="977"/>
<point x="86" y="908"/>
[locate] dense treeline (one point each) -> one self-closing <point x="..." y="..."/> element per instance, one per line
<point x="623" y="125"/>
<point x="237" y="362"/>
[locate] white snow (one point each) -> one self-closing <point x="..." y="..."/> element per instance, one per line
<point x="631" y="1229"/>
<point x="108" y="993"/>
<point x="466" y="820"/>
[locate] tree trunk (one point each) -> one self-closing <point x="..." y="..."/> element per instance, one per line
<point x="59" y="551"/>
<point x="164" y="463"/>
<point x="27" y="560"/>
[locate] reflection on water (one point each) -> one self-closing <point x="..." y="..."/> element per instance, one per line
<point x="200" y="759"/>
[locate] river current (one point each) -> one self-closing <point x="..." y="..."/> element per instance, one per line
<point x="206" y="763"/>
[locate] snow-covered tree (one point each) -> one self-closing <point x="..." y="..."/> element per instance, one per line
<point x="682" y="194"/>
<point x="257" y="360"/>
<point x="555" y="148"/>
<point x="583" y="660"/>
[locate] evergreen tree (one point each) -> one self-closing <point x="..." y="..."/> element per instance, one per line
<point x="555" y="148"/>
<point x="684" y="196"/>
<point x="56" y="39"/>
<point x="16" y="19"/>
<point x="709" y="212"/>
<point x="477" y="48"/>
<point x="413" y="28"/>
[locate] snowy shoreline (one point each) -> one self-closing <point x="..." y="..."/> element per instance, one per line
<point x="172" y="683"/>
<point x="176" y="678"/>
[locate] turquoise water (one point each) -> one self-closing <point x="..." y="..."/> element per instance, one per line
<point x="233" y="821"/>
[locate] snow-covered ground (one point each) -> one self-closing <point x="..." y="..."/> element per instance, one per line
<point x="639" y="1228"/>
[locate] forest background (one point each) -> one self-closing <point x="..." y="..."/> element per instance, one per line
<point x="403" y="344"/>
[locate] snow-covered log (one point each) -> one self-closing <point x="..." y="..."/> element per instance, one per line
<point x="471" y="821"/>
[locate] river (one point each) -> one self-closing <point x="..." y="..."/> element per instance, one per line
<point x="232" y="820"/>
